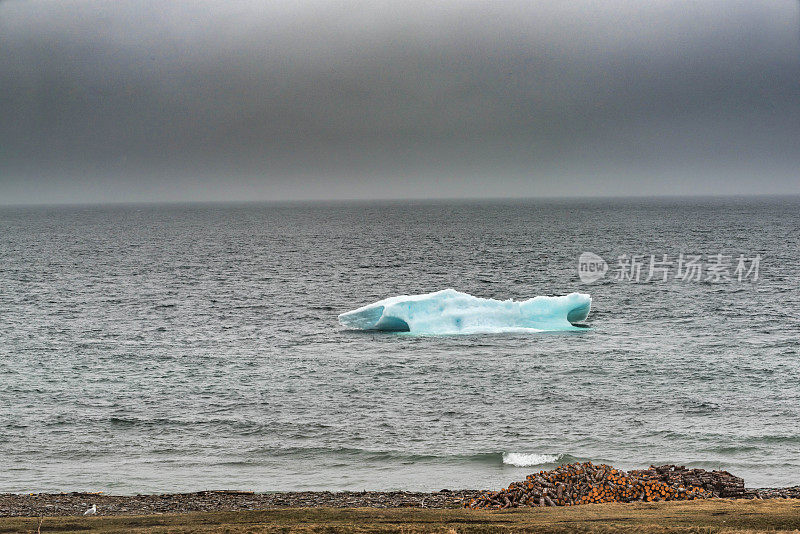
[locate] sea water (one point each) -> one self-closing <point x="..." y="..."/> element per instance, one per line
<point x="191" y="347"/>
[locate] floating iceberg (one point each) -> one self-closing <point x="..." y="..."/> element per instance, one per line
<point x="452" y="312"/>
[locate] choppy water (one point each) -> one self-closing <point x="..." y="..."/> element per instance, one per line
<point x="170" y="348"/>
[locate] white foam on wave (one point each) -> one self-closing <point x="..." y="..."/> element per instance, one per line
<point x="526" y="459"/>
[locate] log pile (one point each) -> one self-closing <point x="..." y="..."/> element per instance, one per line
<point x="586" y="483"/>
<point x="719" y="483"/>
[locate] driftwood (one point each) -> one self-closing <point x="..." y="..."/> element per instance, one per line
<point x="585" y="483"/>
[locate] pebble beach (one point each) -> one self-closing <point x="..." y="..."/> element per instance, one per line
<point x="707" y="484"/>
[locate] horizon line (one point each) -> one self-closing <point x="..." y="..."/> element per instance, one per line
<point x="399" y="200"/>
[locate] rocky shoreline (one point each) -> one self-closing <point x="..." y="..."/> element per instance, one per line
<point x="62" y="504"/>
<point x="71" y="504"/>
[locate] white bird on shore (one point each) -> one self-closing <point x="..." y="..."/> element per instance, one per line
<point x="91" y="511"/>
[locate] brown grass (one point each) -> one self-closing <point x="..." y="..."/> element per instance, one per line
<point x="718" y="515"/>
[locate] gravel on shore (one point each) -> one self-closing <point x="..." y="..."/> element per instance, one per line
<point x="63" y="504"/>
<point x="71" y="504"/>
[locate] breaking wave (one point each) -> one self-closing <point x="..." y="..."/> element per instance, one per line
<point x="528" y="459"/>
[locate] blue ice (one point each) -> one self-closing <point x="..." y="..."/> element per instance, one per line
<point x="452" y="312"/>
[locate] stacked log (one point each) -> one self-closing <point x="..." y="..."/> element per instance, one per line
<point x="719" y="483"/>
<point x="586" y="483"/>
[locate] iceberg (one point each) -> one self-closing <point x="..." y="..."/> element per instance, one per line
<point x="452" y="312"/>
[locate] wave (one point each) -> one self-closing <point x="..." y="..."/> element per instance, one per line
<point x="514" y="459"/>
<point x="530" y="459"/>
<point x="522" y="459"/>
<point x="489" y="458"/>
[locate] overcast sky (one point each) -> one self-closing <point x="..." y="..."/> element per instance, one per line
<point x="138" y="100"/>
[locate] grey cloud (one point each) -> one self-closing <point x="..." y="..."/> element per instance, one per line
<point x="138" y="100"/>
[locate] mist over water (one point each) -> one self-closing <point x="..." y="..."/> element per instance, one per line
<point x="176" y="348"/>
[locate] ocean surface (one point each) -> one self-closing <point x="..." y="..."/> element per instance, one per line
<point x="176" y="348"/>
